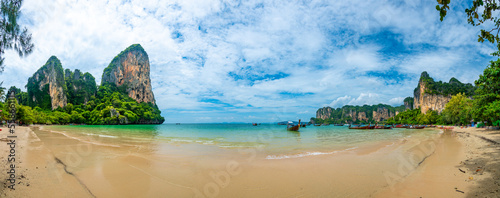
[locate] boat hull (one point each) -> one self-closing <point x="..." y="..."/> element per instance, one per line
<point x="363" y="127"/>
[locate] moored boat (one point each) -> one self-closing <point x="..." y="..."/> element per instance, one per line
<point x="293" y="127"/>
<point x="401" y="126"/>
<point x="361" y="127"/>
<point x="415" y="127"/>
<point x="383" y="127"/>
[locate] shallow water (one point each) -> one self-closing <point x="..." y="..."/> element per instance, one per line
<point x="272" y="139"/>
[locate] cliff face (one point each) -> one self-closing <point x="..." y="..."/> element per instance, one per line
<point x="324" y="113"/>
<point x="46" y="87"/>
<point x="80" y="86"/>
<point x="425" y="99"/>
<point x="365" y="113"/>
<point x="130" y="70"/>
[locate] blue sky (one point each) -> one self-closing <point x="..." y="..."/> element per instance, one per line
<point x="256" y="60"/>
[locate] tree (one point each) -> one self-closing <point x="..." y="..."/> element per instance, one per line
<point x="2" y="92"/>
<point x="25" y="114"/>
<point x="458" y="110"/>
<point x="12" y="35"/>
<point x="480" y="12"/>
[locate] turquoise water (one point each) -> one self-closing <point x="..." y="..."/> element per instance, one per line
<point x="274" y="139"/>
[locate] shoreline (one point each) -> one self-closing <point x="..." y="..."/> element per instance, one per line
<point x="467" y="165"/>
<point x="53" y="162"/>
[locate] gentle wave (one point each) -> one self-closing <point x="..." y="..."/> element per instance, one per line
<point x="108" y="136"/>
<point x="84" y="141"/>
<point x="307" y="154"/>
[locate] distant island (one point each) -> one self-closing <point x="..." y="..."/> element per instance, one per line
<point x="427" y="106"/>
<point x="58" y="96"/>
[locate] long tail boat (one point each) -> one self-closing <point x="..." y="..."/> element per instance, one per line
<point x="293" y="128"/>
<point x="401" y="126"/>
<point x="415" y="127"/>
<point x="362" y="127"/>
<point x="383" y="127"/>
<point x="317" y="124"/>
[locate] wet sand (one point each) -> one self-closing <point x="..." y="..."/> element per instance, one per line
<point x="466" y="164"/>
<point x="51" y="164"/>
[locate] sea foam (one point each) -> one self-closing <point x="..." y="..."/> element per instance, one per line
<point x="272" y="157"/>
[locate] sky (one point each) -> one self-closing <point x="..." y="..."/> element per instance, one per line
<point x="218" y="61"/>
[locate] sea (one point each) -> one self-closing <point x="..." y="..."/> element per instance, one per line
<point x="272" y="139"/>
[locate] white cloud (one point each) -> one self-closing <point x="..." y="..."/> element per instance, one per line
<point x="396" y="101"/>
<point x="325" y="50"/>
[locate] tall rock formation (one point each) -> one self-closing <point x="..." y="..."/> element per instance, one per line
<point x="130" y="71"/>
<point x="431" y="95"/>
<point x="46" y="88"/>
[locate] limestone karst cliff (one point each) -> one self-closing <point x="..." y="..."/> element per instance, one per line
<point x="46" y="88"/>
<point x="431" y="95"/>
<point x="366" y="113"/>
<point x="130" y="70"/>
<point x="126" y="96"/>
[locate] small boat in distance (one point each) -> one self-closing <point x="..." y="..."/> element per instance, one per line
<point x="361" y="127"/>
<point x="317" y="124"/>
<point x="255" y="124"/>
<point x="293" y="127"/>
<point x="339" y="125"/>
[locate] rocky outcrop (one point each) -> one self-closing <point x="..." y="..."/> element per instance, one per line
<point x="364" y="113"/>
<point x="381" y="114"/>
<point x="80" y="86"/>
<point x="427" y="100"/>
<point x="46" y="88"/>
<point x="324" y="113"/>
<point x="362" y="116"/>
<point x="130" y="71"/>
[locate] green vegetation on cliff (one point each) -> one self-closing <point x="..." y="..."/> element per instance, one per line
<point x="355" y="114"/>
<point x="453" y="87"/>
<point x="108" y="106"/>
<point x="41" y="96"/>
<point x="82" y="101"/>
<point x="80" y="86"/>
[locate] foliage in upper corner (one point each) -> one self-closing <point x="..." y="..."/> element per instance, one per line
<point x="453" y="87"/>
<point x="13" y="35"/>
<point x="479" y="12"/>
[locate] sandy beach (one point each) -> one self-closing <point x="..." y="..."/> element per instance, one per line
<point x="458" y="163"/>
